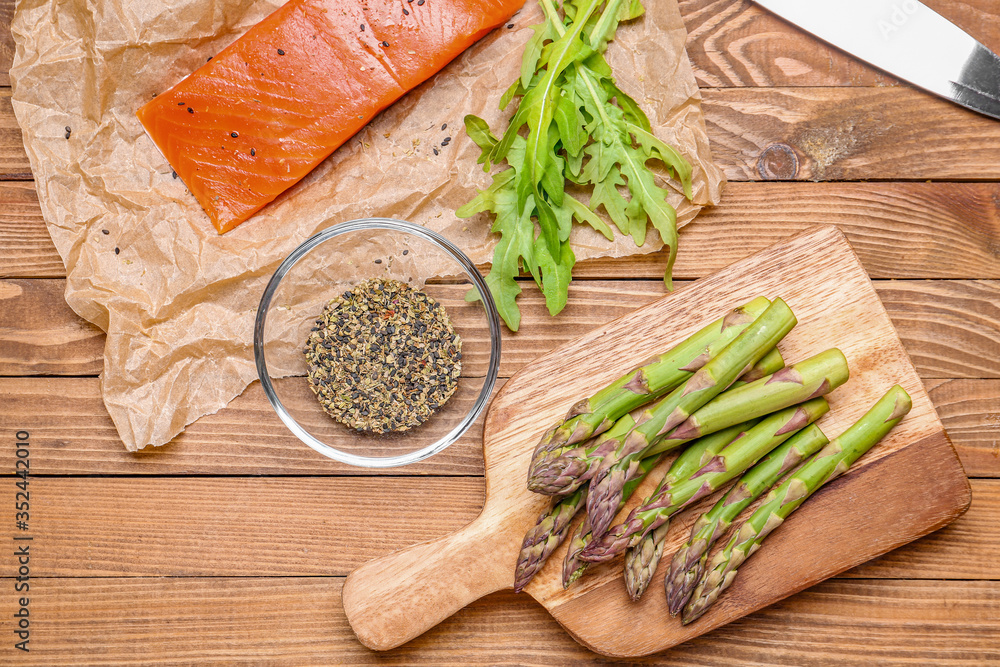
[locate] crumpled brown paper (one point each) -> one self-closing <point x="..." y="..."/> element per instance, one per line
<point x="177" y="300"/>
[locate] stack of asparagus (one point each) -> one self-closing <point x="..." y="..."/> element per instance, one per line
<point x="725" y="395"/>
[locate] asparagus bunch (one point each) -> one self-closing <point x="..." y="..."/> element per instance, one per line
<point x="650" y="380"/>
<point x="707" y="383"/>
<point x="575" y="466"/>
<point x="689" y="560"/>
<point x="813" y="377"/>
<point x="737" y="457"/>
<point x="690" y="460"/>
<point x="832" y="461"/>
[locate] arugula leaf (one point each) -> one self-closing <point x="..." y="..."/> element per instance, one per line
<point x="572" y="123"/>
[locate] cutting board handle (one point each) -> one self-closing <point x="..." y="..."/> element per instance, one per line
<point x="393" y="599"/>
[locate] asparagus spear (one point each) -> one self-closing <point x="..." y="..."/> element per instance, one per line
<point x="650" y="380"/>
<point x="558" y="479"/>
<point x="730" y="462"/>
<point x="546" y="535"/>
<point x="813" y="377"/>
<point x="642" y="560"/>
<point x="712" y="379"/>
<point x="827" y="464"/>
<point x="690" y="460"/>
<point x="689" y="561"/>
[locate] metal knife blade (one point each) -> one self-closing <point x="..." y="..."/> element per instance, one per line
<point x="906" y="39"/>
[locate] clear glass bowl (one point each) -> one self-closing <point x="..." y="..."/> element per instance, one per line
<point x="334" y="261"/>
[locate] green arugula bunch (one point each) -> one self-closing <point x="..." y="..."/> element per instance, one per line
<point x="583" y="129"/>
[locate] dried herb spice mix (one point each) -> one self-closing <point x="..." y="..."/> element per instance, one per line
<point x="383" y="357"/>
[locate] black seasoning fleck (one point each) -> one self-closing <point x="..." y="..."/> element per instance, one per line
<point x="405" y="12"/>
<point x="209" y="59"/>
<point x="252" y="152"/>
<point x="420" y="2"/>
<point x="385" y="44"/>
<point x="105" y="232"/>
<point x="181" y="104"/>
<point x="378" y="261"/>
<point x="383" y="357"/>
<point x="117" y="250"/>
<point x="447" y="140"/>
<point x="69" y="131"/>
<point x="281" y="52"/>
<point x="173" y="173"/>
<point x="436" y="151"/>
<point x="444" y="127"/>
<point x="234" y="134"/>
<point x="190" y="110"/>
<point x="406" y="252"/>
<point x="510" y="25"/>
<point x="362" y="27"/>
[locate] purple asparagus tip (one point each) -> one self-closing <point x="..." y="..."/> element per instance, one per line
<point x="604" y="500"/>
<point x="613" y="543"/>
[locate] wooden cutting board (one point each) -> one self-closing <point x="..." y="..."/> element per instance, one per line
<point x="909" y="485"/>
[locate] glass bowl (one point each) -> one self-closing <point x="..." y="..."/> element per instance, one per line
<point x="334" y="261"/>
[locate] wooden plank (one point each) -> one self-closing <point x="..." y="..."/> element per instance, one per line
<point x="291" y="526"/>
<point x="836" y="134"/>
<point x="27" y="247"/>
<point x="38" y="331"/>
<point x="72" y="433"/>
<point x="240" y="526"/>
<point x="13" y="160"/>
<point x="296" y="621"/>
<point x="734" y="43"/>
<point x="970" y="411"/>
<point x="899" y="230"/>
<point x="75" y="436"/>
<point x="951" y="328"/>
<point x="832" y="134"/>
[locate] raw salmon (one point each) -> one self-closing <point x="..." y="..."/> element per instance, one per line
<point x="265" y="111"/>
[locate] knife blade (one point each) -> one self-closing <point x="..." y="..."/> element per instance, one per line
<point x="906" y="39"/>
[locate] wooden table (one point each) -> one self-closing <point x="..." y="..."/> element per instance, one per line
<point x="232" y="543"/>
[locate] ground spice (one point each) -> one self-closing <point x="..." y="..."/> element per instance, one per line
<point x="383" y="357"/>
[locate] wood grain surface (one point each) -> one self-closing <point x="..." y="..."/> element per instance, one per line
<point x="820" y="277"/>
<point x="808" y="136"/>
<point x="786" y="134"/>
<point x="78" y="437"/>
<point x="899" y="230"/>
<point x="950" y="328"/>
<point x="300" y="620"/>
<point x="90" y="525"/>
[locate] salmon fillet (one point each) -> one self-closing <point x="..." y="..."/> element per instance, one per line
<point x="260" y="115"/>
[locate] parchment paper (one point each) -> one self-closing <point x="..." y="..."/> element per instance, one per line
<point x="178" y="301"/>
